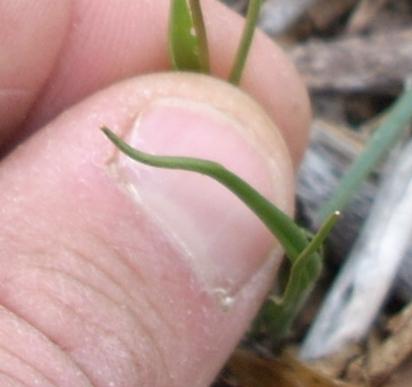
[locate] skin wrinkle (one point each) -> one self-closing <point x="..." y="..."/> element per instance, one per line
<point x="13" y="377"/>
<point x="85" y="258"/>
<point x="87" y="320"/>
<point x="76" y="252"/>
<point x="113" y="253"/>
<point x="64" y="349"/>
<point x="128" y="296"/>
<point x="133" y="269"/>
<point x="69" y="358"/>
<point x="103" y="333"/>
<point x="12" y="380"/>
<point x="129" y="311"/>
<point x="31" y="366"/>
<point x="166" y="324"/>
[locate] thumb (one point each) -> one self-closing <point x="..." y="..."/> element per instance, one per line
<point x="122" y="274"/>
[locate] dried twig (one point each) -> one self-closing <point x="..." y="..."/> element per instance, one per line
<point x="278" y="15"/>
<point x="363" y="284"/>
<point x="383" y="360"/>
<point x="324" y="13"/>
<point x="363" y="15"/>
<point x="377" y="64"/>
<point x="332" y="149"/>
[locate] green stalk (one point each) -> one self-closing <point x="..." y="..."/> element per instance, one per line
<point x="199" y="26"/>
<point x="187" y="36"/>
<point x="304" y="254"/>
<point x="291" y="236"/>
<point x="378" y="146"/>
<point x="245" y="41"/>
<point x="279" y="312"/>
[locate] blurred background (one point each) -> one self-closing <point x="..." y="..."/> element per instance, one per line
<point x="356" y="59"/>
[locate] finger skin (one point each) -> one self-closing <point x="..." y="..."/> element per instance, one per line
<point x="107" y="41"/>
<point x="91" y="275"/>
<point x="31" y="35"/>
<point x="104" y="294"/>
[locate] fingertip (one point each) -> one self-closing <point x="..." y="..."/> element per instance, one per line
<point x="109" y="44"/>
<point x="269" y="76"/>
<point x="31" y="34"/>
<point x="193" y="287"/>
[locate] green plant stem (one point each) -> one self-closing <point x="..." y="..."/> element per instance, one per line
<point x="246" y="41"/>
<point x="318" y="239"/>
<point x="304" y="253"/>
<point x="187" y="37"/>
<point x="291" y="236"/>
<point x="279" y="312"/>
<point x="380" y="143"/>
<point x="199" y="26"/>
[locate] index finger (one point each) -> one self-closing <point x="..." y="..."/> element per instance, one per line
<point x="104" y="42"/>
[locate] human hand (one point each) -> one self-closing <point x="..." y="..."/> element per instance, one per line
<point x="112" y="273"/>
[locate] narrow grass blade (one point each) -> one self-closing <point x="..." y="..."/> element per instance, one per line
<point x="246" y="41"/>
<point x="304" y="254"/>
<point x="291" y="236"/>
<point x="187" y="36"/>
<point x="380" y="143"/>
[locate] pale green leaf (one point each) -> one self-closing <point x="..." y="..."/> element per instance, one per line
<point x="187" y="37"/>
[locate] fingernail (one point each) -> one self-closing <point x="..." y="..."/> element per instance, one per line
<point x="224" y="242"/>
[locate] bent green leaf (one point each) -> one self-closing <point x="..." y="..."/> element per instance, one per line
<point x="290" y="235"/>
<point x="187" y="36"/>
<point x="303" y="252"/>
<point x="279" y="312"/>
